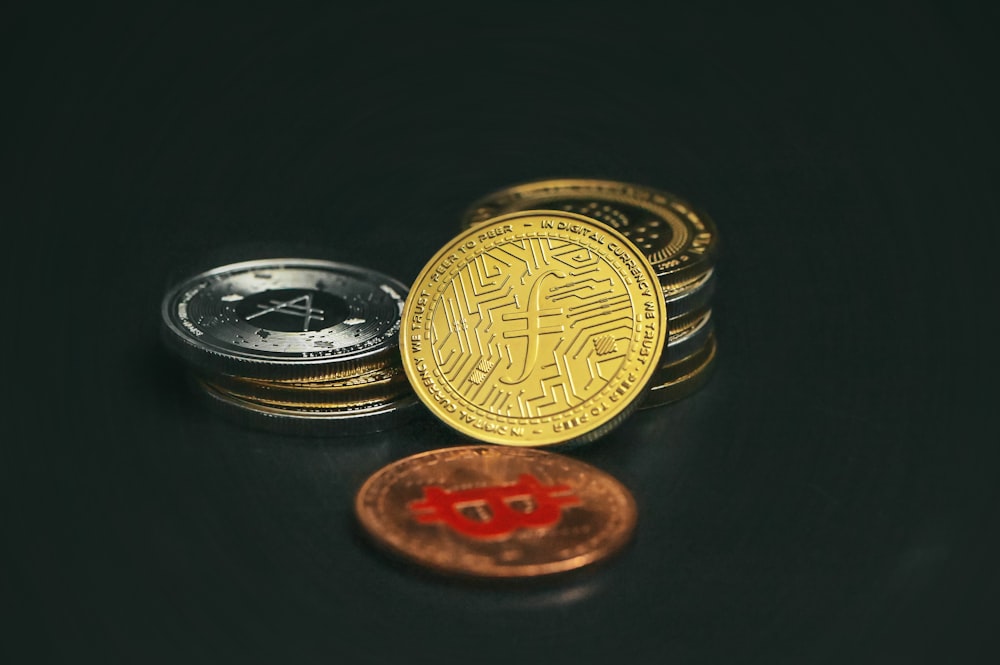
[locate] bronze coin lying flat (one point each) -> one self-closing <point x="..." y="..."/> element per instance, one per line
<point x="536" y="328"/>
<point x="496" y="511"/>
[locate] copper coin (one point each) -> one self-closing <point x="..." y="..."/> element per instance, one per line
<point x="496" y="511"/>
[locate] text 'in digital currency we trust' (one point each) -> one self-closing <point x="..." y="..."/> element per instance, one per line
<point x="536" y="328"/>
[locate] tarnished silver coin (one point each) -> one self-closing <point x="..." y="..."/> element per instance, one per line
<point x="286" y="318"/>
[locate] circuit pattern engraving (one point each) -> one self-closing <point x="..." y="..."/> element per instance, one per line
<point x="539" y="328"/>
<point x="532" y="327"/>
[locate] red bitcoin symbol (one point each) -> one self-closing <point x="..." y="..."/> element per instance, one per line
<point x="545" y="502"/>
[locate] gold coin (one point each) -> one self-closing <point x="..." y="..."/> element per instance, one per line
<point x="496" y="512"/>
<point x="687" y="334"/>
<point x="312" y="420"/>
<point x="678" y="240"/>
<point x="536" y="328"/>
<point x="682" y="378"/>
<point x="690" y="296"/>
<point x="369" y="387"/>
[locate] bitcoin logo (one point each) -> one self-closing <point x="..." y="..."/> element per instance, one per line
<point x="492" y="509"/>
<point x="539" y="327"/>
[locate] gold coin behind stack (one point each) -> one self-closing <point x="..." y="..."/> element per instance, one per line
<point x="536" y="328"/>
<point x="679" y="379"/>
<point x="375" y="386"/>
<point x="494" y="512"/>
<point x="678" y="240"/>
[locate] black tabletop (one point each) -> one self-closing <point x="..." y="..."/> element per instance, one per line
<point x="828" y="497"/>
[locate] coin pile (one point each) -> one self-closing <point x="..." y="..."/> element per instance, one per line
<point x="678" y="240"/>
<point x="559" y="308"/>
<point x="294" y="345"/>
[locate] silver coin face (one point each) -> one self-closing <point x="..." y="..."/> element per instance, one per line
<point x="291" y="318"/>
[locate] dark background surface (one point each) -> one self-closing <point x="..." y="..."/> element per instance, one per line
<point x="827" y="498"/>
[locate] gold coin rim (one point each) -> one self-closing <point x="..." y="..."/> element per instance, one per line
<point x="589" y="431"/>
<point x="380" y="386"/>
<point x="683" y="377"/>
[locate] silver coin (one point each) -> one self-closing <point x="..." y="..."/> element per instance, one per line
<point x="304" y="319"/>
<point x="304" y="421"/>
<point x="693" y="296"/>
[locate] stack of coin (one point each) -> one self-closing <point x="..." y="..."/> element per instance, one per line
<point x="679" y="241"/>
<point x="300" y="346"/>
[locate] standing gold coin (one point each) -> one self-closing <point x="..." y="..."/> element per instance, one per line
<point x="679" y="241"/>
<point x="496" y="512"/>
<point x="536" y="328"/>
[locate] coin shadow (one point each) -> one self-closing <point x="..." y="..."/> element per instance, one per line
<point x="545" y="591"/>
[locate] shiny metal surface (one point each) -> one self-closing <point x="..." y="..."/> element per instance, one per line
<point x="680" y="379"/>
<point x="299" y="319"/>
<point x="679" y="240"/>
<point x="688" y="334"/>
<point x="690" y="296"/>
<point x="497" y="512"/>
<point x="376" y="386"/>
<point x="829" y="497"/>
